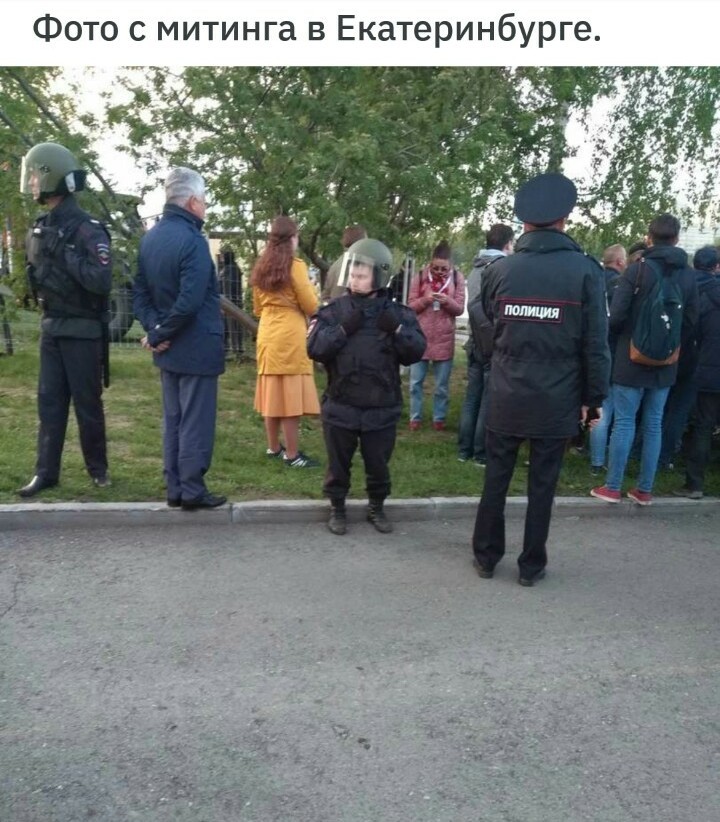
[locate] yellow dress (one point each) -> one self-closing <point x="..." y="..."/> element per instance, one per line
<point x="285" y="386"/>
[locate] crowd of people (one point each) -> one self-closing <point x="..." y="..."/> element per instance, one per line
<point x="556" y="342"/>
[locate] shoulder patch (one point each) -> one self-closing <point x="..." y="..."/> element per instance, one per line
<point x="103" y="253"/>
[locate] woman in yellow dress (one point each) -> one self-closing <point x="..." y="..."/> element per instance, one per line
<point x="283" y="299"/>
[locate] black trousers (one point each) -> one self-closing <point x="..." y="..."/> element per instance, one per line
<point x="546" y="457"/>
<point x="70" y="369"/>
<point x="707" y="415"/>
<point x="376" y="448"/>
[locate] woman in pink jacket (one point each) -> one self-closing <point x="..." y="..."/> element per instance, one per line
<point x="437" y="296"/>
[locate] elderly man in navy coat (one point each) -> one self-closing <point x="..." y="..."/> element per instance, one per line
<point x="177" y="302"/>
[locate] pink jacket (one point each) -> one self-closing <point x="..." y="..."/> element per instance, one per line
<point x="438" y="326"/>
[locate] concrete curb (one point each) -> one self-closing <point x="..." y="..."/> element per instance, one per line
<point x="277" y="512"/>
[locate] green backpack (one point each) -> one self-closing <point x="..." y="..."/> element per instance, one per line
<point x="655" y="338"/>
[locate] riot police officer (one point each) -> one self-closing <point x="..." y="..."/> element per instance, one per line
<point x="70" y="273"/>
<point x="362" y="338"/>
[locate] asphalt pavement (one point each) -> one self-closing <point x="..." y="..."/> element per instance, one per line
<point x="216" y="666"/>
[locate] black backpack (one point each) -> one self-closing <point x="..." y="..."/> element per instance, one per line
<point x="482" y="330"/>
<point x="655" y="338"/>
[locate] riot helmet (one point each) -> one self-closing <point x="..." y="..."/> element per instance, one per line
<point x="366" y="260"/>
<point x="50" y="170"/>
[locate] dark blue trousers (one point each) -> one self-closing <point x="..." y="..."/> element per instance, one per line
<point x="189" y="412"/>
<point x="70" y="369"/>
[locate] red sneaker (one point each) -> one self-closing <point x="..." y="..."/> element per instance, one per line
<point x="640" y="497"/>
<point x="439" y="425"/>
<point x="605" y="494"/>
<point x="415" y="425"/>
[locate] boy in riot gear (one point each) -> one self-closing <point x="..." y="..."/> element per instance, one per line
<point x="70" y="273"/>
<point x="362" y="338"/>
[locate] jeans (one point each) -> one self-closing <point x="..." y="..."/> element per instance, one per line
<point x="441" y="374"/>
<point x="627" y="400"/>
<point x="599" y="434"/>
<point x="471" y="432"/>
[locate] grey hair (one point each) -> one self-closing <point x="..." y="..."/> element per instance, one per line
<point x="182" y="184"/>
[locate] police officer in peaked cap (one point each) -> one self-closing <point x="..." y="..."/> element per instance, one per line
<point x="549" y="369"/>
<point x="70" y="273"/>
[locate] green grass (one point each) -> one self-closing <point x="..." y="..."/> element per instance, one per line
<point x="424" y="464"/>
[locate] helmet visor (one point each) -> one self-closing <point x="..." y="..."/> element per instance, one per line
<point x="39" y="180"/>
<point x="29" y="178"/>
<point x="357" y="273"/>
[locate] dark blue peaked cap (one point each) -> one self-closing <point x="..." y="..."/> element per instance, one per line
<point x="545" y="199"/>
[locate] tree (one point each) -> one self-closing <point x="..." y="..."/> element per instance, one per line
<point x="33" y="112"/>
<point x="414" y="153"/>
<point x="405" y="151"/>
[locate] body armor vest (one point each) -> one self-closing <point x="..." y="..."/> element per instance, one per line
<point x="365" y="372"/>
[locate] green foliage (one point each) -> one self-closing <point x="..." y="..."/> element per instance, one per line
<point x="33" y="111"/>
<point x="405" y="151"/>
<point x="415" y="154"/>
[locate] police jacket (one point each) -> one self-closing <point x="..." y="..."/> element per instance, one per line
<point x="70" y="271"/>
<point x="363" y="391"/>
<point x="707" y="375"/>
<point x="626" y="305"/>
<point x="550" y="352"/>
<point x="175" y="295"/>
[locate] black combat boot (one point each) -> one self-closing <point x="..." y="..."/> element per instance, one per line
<point x="376" y="516"/>
<point x="337" y="524"/>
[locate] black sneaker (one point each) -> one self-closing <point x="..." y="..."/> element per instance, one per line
<point x="102" y="482"/>
<point x="275" y="454"/>
<point x="300" y="461"/>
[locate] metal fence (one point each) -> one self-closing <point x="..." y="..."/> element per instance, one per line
<point x="21" y="327"/>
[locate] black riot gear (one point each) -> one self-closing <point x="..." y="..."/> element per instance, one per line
<point x="69" y="269"/>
